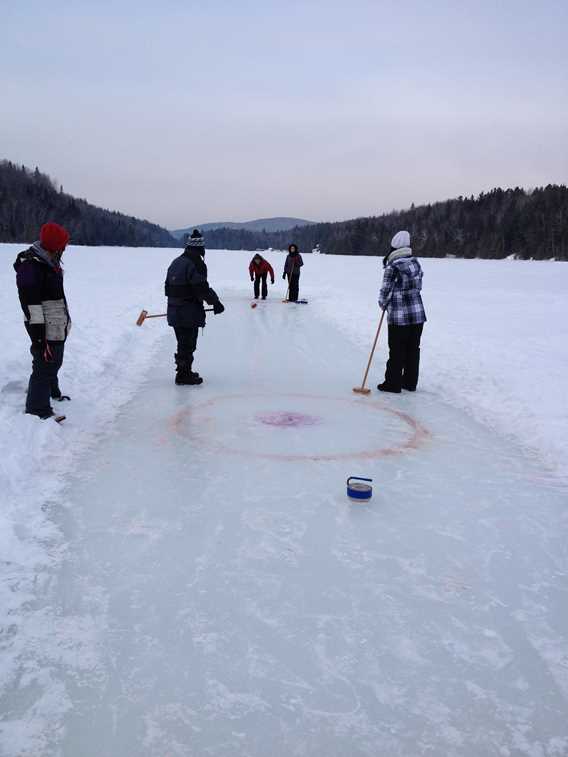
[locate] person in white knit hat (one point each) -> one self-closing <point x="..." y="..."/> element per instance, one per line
<point x="401" y="297"/>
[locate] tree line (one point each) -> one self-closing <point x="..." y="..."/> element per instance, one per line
<point x="496" y="224"/>
<point x="29" y="199"/>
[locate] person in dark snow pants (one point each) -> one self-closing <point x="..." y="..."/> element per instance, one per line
<point x="39" y="277"/>
<point x="259" y="269"/>
<point x="187" y="289"/>
<point x="292" y="270"/>
<point x="401" y="297"/>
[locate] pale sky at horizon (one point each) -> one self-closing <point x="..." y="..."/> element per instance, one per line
<point x="191" y="112"/>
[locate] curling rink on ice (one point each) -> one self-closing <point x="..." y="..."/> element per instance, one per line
<point x="221" y="596"/>
<point x="298" y="427"/>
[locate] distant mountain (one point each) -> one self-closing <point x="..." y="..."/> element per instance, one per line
<point x="29" y="199"/>
<point x="260" y="224"/>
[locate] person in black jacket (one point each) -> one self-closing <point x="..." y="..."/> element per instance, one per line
<point x="187" y="289"/>
<point x="292" y="270"/>
<point x="39" y="277"/>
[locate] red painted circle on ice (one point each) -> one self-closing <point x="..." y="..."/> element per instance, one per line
<point x="197" y="421"/>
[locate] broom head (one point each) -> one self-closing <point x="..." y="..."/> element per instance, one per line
<point x="141" y="318"/>
<point x="361" y="390"/>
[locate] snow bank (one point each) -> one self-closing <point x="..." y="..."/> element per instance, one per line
<point x="105" y="362"/>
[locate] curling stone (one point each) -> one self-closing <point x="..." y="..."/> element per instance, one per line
<point x="358" y="490"/>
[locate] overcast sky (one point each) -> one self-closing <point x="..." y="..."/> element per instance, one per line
<point x="187" y="112"/>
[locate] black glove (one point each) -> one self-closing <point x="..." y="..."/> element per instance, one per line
<point x="272" y="281"/>
<point x="60" y="397"/>
<point x="252" y="278"/>
<point x="37" y="333"/>
<point x="283" y="275"/>
<point x="218" y="308"/>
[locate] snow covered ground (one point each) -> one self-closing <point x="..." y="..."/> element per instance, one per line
<point x="181" y="576"/>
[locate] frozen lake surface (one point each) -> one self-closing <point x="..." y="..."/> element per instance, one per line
<point x="219" y="595"/>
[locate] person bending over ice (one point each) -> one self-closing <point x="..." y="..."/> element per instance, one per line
<point x="186" y="289"/>
<point x="259" y="268"/>
<point x="400" y="297"/>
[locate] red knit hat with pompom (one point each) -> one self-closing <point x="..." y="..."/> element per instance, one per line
<point x="53" y="237"/>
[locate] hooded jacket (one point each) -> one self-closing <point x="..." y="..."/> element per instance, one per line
<point x="293" y="264"/>
<point x="261" y="269"/>
<point x="186" y="288"/>
<point x="39" y="277"/>
<point x="401" y="289"/>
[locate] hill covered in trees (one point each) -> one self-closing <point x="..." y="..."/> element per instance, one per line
<point x="496" y="224"/>
<point x="29" y="199"/>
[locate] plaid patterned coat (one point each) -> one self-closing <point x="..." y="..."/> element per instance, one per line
<point x="400" y="290"/>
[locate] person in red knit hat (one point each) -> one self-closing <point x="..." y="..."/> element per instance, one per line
<point x="39" y="277"/>
<point x="53" y="238"/>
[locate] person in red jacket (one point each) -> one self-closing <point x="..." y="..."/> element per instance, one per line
<point x="259" y="268"/>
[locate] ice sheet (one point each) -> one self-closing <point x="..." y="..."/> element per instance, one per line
<point x="220" y="595"/>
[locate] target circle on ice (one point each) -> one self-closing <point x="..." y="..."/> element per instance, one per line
<point x="297" y="427"/>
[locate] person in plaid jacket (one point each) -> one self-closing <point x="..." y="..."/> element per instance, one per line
<point x="400" y="297"/>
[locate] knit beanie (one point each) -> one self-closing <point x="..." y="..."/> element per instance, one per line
<point x="53" y="237"/>
<point x="293" y="249"/>
<point x="196" y="239"/>
<point x="400" y="239"/>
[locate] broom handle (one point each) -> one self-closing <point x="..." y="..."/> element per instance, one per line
<point x="288" y="290"/>
<point x="373" y="350"/>
<point x="163" y="315"/>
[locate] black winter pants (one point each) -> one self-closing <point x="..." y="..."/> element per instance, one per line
<point x="186" y="345"/>
<point x="44" y="384"/>
<point x="257" y="281"/>
<point x="294" y="281"/>
<point x="404" y="356"/>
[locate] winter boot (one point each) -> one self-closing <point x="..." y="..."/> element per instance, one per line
<point x="51" y="414"/>
<point x="187" y="378"/>
<point x="184" y="375"/>
<point x="384" y="387"/>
